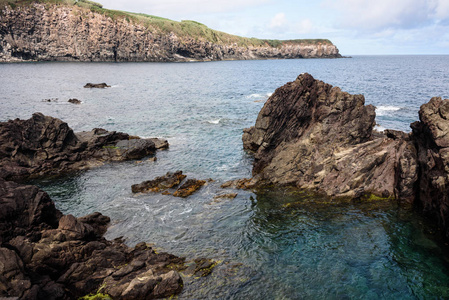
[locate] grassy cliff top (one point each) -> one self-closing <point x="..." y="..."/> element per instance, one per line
<point x="185" y="28"/>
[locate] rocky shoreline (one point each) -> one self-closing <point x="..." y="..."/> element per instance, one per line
<point x="47" y="255"/>
<point x="49" y="32"/>
<point x="316" y="137"/>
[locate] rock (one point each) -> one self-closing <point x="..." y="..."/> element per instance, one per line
<point x="44" y="145"/>
<point x="432" y="140"/>
<point x="45" y="260"/>
<point x="225" y="196"/>
<point x="160" y="183"/>
<point x="74" y="101"/>
<point x="96" y="85"/>
<point x="316" y="137"/>
<point x="189" y="187"/>
<point x="47" y="32"/>
<point x="160" y="143"/>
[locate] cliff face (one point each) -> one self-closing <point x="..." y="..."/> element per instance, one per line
<point x="44" y="32"/>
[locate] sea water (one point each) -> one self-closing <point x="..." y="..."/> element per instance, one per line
<point x="276" y="244"/>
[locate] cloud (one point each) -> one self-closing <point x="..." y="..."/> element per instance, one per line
<point x="278" y="21"/>
<point x="180" y="8"/>
<point x="385" y="14"/>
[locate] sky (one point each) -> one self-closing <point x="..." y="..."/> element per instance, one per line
<point x="356" y="27"/>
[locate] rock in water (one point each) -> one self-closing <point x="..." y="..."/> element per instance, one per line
<point x="315" y="136"/>
<point x="44" y="145"/>
<point x="74" y="101"/>
<point x="432" y="140"/>
<point x="96" y="85"/>
<point x="45" y="255"/>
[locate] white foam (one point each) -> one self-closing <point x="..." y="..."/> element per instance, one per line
<point x="214" y="121"/>
<point x="385" y="109"/>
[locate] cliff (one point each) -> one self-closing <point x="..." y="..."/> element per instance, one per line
<point x="84" y="31"/>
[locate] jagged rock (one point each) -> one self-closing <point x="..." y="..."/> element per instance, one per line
<point x="431" y="135"/>
<point x="44" y="145"/>
<point x="63" y="257"/>
<point x="314" y="136"/>
<point x="45" y="32"/>
<point x="189" y="187"/>
<point x="160" y="183"/>
<point x="96" y="85"/>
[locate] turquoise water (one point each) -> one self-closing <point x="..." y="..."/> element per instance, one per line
<point x="271" y="245"/>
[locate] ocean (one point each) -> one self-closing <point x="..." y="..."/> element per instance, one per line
<point x="276" y="244"/>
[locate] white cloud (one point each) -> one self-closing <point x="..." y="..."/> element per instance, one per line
<point x="179" y="8"/>
<point x="305" y="26"/>
<point x="278" y="21"/>
<point x="383" y="14"/>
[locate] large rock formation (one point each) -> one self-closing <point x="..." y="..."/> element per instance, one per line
<point x="46" y="32"/>
<point x="45" y="255"/>
<point x="316" y="137"/>
<point x="45" y="145"/>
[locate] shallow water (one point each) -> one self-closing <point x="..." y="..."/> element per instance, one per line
<point x="266" y="247"/>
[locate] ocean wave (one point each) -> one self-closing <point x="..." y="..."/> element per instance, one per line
<point x="216" y="121"/>
<point x="259" y="96"/>
<point x="383" y="110"/>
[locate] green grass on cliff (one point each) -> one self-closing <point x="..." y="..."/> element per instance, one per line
<point x="183" y="29"/>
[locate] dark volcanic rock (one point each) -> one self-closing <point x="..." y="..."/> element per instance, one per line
<point x="44" y="145"/>
<point x="74" y="101"/>
<point x="96" y="85"/>
<point x="160" y="183"/>
<point x="316" y="137"/>
<point x="44" y="255"/>
<point x="432" y="139"/>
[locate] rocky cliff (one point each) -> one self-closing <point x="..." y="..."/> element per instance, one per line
<point x="314" y="136"/>
<point x="61" y="32"/>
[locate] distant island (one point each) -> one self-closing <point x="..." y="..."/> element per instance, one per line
<point x="82" y="30"/>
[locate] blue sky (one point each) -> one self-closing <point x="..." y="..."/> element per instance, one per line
<point x="355" y="26"/>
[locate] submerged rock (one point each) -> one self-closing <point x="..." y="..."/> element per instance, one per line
<point x="189" y="187"/>
<point x="96" y="85"/>
<point x="160" y="183"/>
<point x="316" y="137"/>
<point x="45" y="145"/>
<point x="45" y="255"/>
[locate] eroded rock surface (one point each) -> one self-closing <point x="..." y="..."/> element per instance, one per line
<point x="431" y="135"/>
<point x="44" y="145"/>
<point x="45" y="32"/>
<point x="315" y="136"/>
<point x="45" y="255"/>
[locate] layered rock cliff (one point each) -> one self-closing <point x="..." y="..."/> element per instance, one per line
<point x="49" y="32"/>
<point x="312" y="135"/>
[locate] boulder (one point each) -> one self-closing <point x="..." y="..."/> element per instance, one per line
<point x="45" y="255"/>
<point x="314" y="136"/>
<point x="45" y="145"/>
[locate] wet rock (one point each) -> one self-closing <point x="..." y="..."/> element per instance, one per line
<point x="432" y="140"/>
<point x="74" y="101"/>
<point x="226" y="196"/>
<point x="96" y="85"/>
<point x="189" y="187"/>
<point x="44" y="260"/>
<point x="316" y="137"/>
<point x="44" y="145"/>
<point x="160" y="183"/>
<point x="243" y="183"/>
